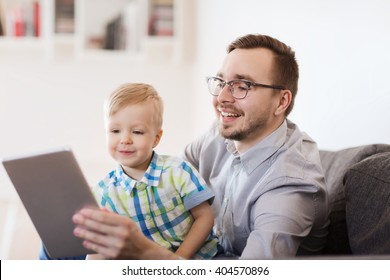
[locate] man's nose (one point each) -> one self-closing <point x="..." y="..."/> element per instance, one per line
<point x="225" y="95"/>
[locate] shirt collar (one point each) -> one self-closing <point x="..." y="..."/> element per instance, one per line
<point x="150" y="178"/>
<point x="257" y="154"/>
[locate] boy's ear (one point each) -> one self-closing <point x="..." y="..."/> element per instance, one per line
<point x="157" y="138"/>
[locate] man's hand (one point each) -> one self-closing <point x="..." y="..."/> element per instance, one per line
<point x="115" y="236"/>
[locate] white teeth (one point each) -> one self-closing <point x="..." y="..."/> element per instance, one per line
<point x="224" y="114"/>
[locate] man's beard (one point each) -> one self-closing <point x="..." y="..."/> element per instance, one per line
<point x="243" y="132"/>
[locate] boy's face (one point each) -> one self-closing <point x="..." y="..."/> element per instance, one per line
<point x="131" y="136"/>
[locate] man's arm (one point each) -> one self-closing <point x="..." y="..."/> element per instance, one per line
<point x="282" y="219"/>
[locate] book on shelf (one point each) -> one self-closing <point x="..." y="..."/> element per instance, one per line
<point x="161" y="21"/>
<point x="162" y="2"/>
<point x="2" y="18"/>
<point x="20" y="18"/>
<point x="114" y="34"/>
<point x="64" y="20"/>
<point x="123" y="31"/>
<point x="37" y="18"/>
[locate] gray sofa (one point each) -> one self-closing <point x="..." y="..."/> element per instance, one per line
<point x="358" y="181"/>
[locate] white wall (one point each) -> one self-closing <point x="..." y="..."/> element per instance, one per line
<point x="343" y="99"/>
<point x="55" y="103"/>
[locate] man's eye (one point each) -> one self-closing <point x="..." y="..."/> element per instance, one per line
<point x="241" y="86"/>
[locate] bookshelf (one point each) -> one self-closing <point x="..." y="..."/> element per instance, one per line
<point x="21" y="22"/>
<point x="93" y="28"/>
<point x="27" y="27"/>
<point x="20" y="18"/>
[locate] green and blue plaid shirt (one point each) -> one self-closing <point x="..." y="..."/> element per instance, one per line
<point x="160" y="201"/>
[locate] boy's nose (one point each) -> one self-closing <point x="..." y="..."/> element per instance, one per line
<point x="126" y="139"/>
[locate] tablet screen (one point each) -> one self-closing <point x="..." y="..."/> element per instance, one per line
<point x="52" y="188"/>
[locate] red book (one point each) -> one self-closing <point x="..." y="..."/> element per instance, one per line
<point x="37" y="18"/>
<point x="19" y="22"/>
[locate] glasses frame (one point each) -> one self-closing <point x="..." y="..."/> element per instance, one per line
<point x="248" y="83"/>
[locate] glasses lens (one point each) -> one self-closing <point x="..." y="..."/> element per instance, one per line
<point x="239" y="89"/>
<point x="215" y="85"/>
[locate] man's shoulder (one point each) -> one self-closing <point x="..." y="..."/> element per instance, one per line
<point x="299" y="156"/>
<point x="295" y="134"/>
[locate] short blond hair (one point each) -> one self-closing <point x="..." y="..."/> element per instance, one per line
<point x="134" y="93"/>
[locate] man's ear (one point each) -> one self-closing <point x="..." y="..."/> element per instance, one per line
<point x="285" y="97"/>
<point x="157" y="138"/>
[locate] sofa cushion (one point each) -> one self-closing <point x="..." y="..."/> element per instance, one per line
<point x="367" y="193"/>
<point x="335" y="164"/>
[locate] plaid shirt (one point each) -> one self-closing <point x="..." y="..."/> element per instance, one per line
<point x="160" y="201"/>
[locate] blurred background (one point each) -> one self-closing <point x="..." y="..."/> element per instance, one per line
<point x="59" y="60"/>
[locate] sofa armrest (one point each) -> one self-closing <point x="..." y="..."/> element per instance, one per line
<point x="367" y="193"/>
<point x="335" y="164"/>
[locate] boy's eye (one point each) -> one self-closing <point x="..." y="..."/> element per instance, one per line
<point x="114" y="130"/>
<point x="138" y="132"/>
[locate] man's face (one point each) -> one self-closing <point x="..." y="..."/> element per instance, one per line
<point x="250" y="119"/>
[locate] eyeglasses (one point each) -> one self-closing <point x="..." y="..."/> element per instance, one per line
<point x="238" y="88"/>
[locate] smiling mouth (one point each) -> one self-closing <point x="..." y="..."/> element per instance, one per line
<point x="228" y="114"/>
<point x="126" y="152"/>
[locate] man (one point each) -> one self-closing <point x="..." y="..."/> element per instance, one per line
<point x="270" y="197"/>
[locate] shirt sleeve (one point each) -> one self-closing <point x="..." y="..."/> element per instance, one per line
<point x="282" y="218"/>
<point x="192" y="153"/>
<point x="97" y="192"/>
<point x="193" y="188"/>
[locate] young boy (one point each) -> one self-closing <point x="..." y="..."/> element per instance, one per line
<point x="163" y="194"/>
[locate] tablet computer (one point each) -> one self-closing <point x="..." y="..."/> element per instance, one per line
<point x="52" y="188"/>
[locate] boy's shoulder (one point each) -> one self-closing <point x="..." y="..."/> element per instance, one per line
<point x="172" y="162"/>
<point x="111" y="177"/>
